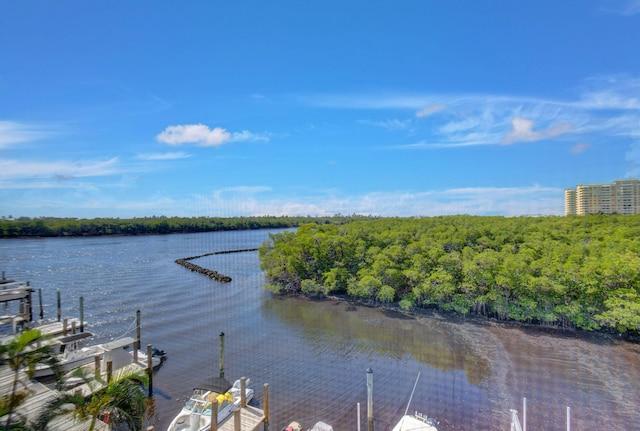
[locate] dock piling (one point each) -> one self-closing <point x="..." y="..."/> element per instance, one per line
<point x="150" y="368"/>
<point x="81" y="314"/>
<point x="236" y="420"/>
<point x="214" y="415"/>
<point x="266" y="407"/>
<point x="369" y="399"/>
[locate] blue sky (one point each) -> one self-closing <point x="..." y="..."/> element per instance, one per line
<point x="392" y="108"/>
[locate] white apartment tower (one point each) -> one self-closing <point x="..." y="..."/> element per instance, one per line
<point x="618" y="197"/>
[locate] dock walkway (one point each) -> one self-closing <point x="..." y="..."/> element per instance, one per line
<point x="39" y="395"/>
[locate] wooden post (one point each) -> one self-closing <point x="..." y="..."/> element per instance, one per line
<point x="138" y="328"/>
<point x="40" y="300"/>
<point x="59" y="306"/>
<point x="109" y="371"/>
<point x="369" y="399"/>
<point x="237" y="426"/>
<point x="96" y="362"/>
<point x="64" y="326"/>
<point x="266" y="406"/>
<point x="524" y="414"/>
<point x="150" y="368"/>
<point x="214" y="414"/>
<point x="81" y="314"/>
<point x="73" y="326"/>
<point x="222" y="355"/>
<point x="29" y="310"/>
<point x="243" y="392"/>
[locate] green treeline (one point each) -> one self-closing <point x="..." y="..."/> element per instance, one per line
<point x="576" y="272"/>
<point x="56" y="227"/>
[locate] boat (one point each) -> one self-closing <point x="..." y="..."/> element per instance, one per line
<point x="72" y="353"/>
<point x="196" y="413"/>
<point x="415" y="422"/>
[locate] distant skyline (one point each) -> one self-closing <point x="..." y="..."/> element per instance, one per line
<point x="415" y="108"/>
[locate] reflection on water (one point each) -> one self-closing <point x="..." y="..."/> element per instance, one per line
<point x="313" y="354"/>
<point x="349" y="327"/>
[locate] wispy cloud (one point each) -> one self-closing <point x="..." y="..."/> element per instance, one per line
<point x="624" y="7"/>
<point x="523" y="131"/>
<point x="393" y="124"/>
<point x="430" y="110"/>
<point x="164" y="156"/>
<point x="510" y="201"/>
<point x="16" y="169"/>
<point x="580" y="148"/>
<point x="12" y="132"/>
<point x="604" y="106"/>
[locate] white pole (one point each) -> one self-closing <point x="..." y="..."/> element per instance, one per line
<point x="358" y="405"/>
<point x="524" y="414"/>
<point x="568" y="418"/>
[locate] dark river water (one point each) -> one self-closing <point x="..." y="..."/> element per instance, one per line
<point x="314" y="354"/>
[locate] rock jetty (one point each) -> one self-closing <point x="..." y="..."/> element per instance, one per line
<point x="214" y="275"/>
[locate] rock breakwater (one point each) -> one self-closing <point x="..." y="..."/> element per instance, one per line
<point x="214" y="275"/>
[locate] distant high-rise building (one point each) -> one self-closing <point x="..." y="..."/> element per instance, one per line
<point x="618" y="197"/>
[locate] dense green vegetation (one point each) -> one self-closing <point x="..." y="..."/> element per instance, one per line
<point x="576" y="272"/>
<point x="55" y="227"/>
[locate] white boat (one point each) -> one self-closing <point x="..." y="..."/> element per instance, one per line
<point x="196" y="413"/>
<point x="415" y="422"/>
<point x="72" y="353"/>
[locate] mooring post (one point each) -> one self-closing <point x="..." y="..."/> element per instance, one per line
<point x="96" y="367"/>
<point x="266" y="406"/>
<point x="236" y="420"/>
<point x="138" y="339"/>
<point x="109" y="370"/>
<point x="369" y="399"/>
<point x="150" y="368"/>
<point x="243" y="392"/>
<point x="73" y="326"/>
<point x="40" y="300"/>
<point x="81" y="314"/>
<point x="214" y="414"/>
<point x="222" y="355"/>
<point x="59" y="307"/>
<point x="64" y="326"/>
<point x="29" y="310"/>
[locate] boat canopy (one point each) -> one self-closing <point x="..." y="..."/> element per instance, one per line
<point x="215" y="384"/>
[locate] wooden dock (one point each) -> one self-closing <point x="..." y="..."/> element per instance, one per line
<point x="247" y="418"/>
<point x="39" y="395"/>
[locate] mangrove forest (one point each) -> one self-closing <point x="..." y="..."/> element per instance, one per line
<point x="572" y="272"/>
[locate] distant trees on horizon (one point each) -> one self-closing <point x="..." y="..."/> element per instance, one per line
<point x="61" y="227"/>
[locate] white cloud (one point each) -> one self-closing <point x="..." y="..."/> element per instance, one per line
<point x="202" y="135"/>
<point x="429" y="110"/>
<point x="194" y="134"/>
<point x="522" y="131"/>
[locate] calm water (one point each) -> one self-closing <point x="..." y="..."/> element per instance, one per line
<point x="314" y="354"/>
